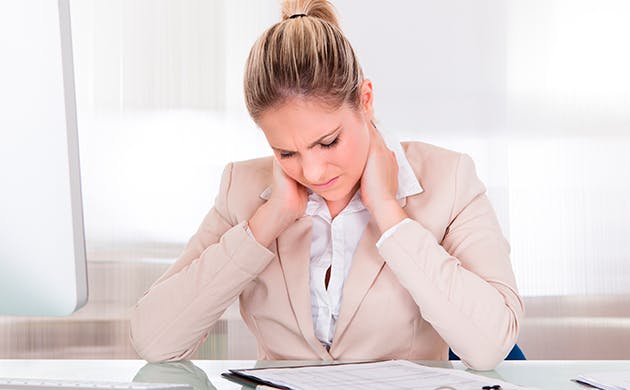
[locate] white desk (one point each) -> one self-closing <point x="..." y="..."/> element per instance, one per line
<point x="206" y="374"/>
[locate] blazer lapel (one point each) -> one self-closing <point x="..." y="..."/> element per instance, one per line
<point x="294" y="252"/>
<point x="366" y="265"/>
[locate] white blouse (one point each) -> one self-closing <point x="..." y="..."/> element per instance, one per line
<point x="334" y="241"/>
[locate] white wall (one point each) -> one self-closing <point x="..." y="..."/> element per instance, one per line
<point x="536" y="92"/>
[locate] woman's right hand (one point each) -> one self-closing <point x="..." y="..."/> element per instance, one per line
<point x="288" y="196"/>
<point x="286" y="204"/>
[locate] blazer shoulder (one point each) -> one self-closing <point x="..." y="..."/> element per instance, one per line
<point x="429" y="160"/>
<point x="247" y="180"/>
<point x="253" y="171"/>
<point x="447" y="174"/>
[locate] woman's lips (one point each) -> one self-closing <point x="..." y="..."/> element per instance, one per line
<point x="326" y="185"/>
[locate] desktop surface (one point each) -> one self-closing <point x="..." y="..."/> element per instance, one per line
<point x="206" y="374"/>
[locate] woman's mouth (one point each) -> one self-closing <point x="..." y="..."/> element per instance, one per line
<point x="325" y="185"/>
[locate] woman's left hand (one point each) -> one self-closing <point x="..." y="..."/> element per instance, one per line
<point x="379" y="183"/>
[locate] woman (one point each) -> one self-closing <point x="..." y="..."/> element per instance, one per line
<point x="337" y="247"/>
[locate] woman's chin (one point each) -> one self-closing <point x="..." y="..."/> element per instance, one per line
<point x="336" y="194"/>
<point x="328" y="195"/>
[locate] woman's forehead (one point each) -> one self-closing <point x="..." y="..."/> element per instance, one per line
<point x="310" y="118"/>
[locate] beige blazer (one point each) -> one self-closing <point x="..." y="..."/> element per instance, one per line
<point x="444" y="280"/>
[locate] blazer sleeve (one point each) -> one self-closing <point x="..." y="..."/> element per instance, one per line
<point x="465" y="286"/>
<point x="175" y="314"/>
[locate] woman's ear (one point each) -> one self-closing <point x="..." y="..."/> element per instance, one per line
<point x="367" y="99"/>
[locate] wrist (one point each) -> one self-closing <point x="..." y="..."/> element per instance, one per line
<point x="267" y="223"/>
<point x="387" y="214"/>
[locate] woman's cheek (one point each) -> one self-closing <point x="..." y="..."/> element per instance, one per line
<point x="290" y="167"/>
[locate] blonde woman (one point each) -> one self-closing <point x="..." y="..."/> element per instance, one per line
<point x="340" y="246"/>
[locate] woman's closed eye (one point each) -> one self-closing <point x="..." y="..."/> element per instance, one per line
<point x="323" y="145"/>
<point x="330" y="144"/>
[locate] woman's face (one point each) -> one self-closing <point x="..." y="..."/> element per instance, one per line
<point x="322" y="149"/>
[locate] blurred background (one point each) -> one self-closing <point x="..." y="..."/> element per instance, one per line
<point x="537" y="92"/>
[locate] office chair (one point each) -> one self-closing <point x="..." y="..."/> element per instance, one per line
<point x="515" y="354"/>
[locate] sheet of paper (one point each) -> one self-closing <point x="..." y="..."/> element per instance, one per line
<point x="393" y="374"/>
<point x="607" y="380"/>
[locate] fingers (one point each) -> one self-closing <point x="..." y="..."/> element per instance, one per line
<point x="282" y="179"/>
<point x="375" y="131"/>
<point x="375" y="136"/>
<point x="377" y="142"/>
<point x="378" y="145"/>
<point x="277" y="169"/>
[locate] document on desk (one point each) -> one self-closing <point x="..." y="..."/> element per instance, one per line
<point x="607" y="380"/>
<point x="392" y="374"/>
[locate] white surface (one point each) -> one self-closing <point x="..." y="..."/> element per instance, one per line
<point x="48" y="384"/>
<point x="206" y="374"/>
<point x="40" y="207"/>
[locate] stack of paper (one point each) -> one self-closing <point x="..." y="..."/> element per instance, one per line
<point x="393" y="374"/>
<point x="607" y="380"/>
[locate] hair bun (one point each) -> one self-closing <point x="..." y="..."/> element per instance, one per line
<point x="321" y="9"/>
<point x="305" y="55"/>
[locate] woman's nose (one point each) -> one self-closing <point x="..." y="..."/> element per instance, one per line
<point x="314" y="170"/>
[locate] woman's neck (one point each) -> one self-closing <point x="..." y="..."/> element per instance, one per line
<point x="335" y="207"/>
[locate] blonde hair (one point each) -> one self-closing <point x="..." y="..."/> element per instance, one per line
<point x="303" y="55"/>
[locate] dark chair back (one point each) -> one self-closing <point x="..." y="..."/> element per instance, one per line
<point x="515" y="354"/>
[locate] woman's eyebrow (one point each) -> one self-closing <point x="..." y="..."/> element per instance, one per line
<point x="311" y="145"/>
<point x="324" y="137"/>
